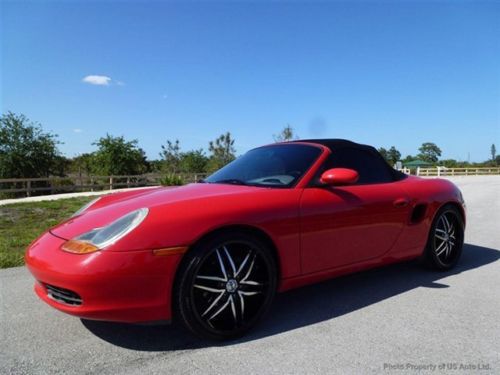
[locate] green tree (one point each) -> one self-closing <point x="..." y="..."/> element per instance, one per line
<point x="450" y="163"/>
<point x="62" y="166"/>
<point x="116" y="156"/>
<point x="382" y="151"/>
<point x="155" y="165"/>
<point x="391" y="156"/>
<point x="409" y="158"/>
<point x="171" y="155"/>
<point x="25" y="149"/>
<point x="82" y="164"/>
<point x="194" y="161"/>
<point x="493" y="151"/>
<point x="222" y="152"/>
<point x="429" y="152"/>
<point x="286" y="135"/>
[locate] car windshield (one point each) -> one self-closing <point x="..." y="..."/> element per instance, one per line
<point x="279" y="165"/>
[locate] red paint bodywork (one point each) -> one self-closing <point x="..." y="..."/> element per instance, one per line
<point x="317" y="233"/>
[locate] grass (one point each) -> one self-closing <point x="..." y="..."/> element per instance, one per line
<point x="21" y="223"/>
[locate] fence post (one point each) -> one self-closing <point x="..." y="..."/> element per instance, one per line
<point x="110" y="182"/>
<point x="28" y="188"/>
<point x="128" y="182"/>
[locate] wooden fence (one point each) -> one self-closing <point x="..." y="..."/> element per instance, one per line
<point x="443" y="171"/>
<point x="54" y="185"/>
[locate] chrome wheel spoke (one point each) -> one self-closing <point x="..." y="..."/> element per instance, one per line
<point x="242" y="264"/>
<point x="213" y="303"/>
<point x="441" y="248"/>
<point x="439" y="230"/>
<point x="440" y="237"/>
<point x="250" y="293"/>
<point x="252" y="287"/>
<point x="226" y="304"/>
<point x="245" y="278"/>
<point x="221" y="263"/>
<point x="208" y="289"/>
<point x="212" y="278"/>
<point x="242" y="304"/>
<point x="250" y="282"/>
<point x="231" y="262"/>
<point x="447" y="225"/>
<point x="233" y="308"/>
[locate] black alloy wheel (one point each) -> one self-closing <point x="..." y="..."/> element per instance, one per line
<point x="225" y="286"/>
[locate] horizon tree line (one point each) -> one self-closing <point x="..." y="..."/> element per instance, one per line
<point x="27" y="151"/>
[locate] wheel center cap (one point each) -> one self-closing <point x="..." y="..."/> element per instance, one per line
<point x="231" y="285"/>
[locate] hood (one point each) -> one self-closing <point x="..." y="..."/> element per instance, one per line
<point x="113" y="206"/>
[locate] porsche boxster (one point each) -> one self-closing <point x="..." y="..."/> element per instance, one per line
<point x="211" y="255"/>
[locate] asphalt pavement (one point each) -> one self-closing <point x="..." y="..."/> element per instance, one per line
<point x="399" y="319"/>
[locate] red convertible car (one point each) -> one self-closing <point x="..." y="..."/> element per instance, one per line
<point x="213" y="254"/>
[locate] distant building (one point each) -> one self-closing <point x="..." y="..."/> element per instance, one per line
<point x="417" y="164"/>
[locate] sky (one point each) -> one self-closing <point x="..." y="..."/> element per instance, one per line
<point x="381" y="73"/>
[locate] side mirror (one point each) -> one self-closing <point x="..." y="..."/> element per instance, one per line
<point x="339" y="176"/>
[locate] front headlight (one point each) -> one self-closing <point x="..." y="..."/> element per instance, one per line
<point x="85" y="207"/>
<point x="99" y="238"/>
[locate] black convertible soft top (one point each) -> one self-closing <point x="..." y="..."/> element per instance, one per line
<point x="337" y="144"/>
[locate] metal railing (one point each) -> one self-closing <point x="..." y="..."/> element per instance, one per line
<point x="55" y="185"/>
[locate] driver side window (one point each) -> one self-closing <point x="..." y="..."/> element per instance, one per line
<point x="371" y="168"/>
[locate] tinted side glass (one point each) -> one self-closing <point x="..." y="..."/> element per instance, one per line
<point x="271" y="166"/>
<point x="371" y="168"/>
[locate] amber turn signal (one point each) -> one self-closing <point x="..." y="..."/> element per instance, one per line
<point x="170" y="251"/>
<point x="79" y="247"/>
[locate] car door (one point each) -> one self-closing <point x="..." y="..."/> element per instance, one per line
<point x="342" y="225"/>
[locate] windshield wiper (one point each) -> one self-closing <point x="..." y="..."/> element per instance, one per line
<point x="232" y="181"/>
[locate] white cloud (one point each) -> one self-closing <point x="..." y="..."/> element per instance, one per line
<point x="77" y="130"/>
<point x="97" y="80"/>
<point x="120" y="83"/>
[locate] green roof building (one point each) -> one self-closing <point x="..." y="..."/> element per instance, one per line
<point x="417" y="163"/>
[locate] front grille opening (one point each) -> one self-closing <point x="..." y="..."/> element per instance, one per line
<point x="64" y="296"/>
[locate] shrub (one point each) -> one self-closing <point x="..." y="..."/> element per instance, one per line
<point x="172" y="180"/>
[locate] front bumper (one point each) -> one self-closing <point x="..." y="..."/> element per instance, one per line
<point x="123" y="286"/>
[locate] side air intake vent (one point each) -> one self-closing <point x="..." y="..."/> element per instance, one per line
<point x="418" y="213"/>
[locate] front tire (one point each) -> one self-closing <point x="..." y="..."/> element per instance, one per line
<point x="225" y="285"/>
<point x="446" y="239"/>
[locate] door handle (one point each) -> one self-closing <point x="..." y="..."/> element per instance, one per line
<point x="401" y="202"/>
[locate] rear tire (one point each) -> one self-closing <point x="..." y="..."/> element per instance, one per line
<point x="446" y="239"/>
<point x="225" y="285"/>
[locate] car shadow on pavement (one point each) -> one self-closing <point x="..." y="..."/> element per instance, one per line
<point x="301" y="307"/>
